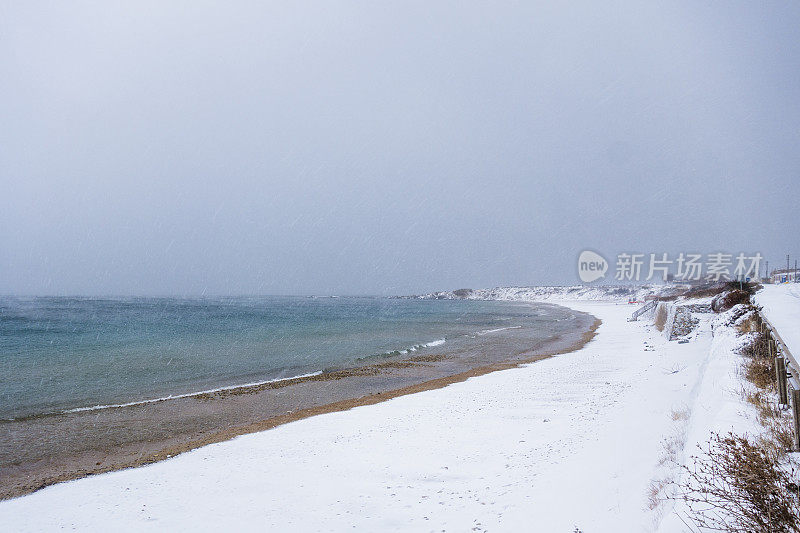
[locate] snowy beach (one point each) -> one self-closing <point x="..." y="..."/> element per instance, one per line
<point x="400" y="266"/>
<point x="574" y="441"/>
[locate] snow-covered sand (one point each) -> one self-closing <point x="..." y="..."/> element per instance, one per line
<point x="571" y="441"/>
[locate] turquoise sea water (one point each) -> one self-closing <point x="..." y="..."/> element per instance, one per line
<point x="59" y="354"/>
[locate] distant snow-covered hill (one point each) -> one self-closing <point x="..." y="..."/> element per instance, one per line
<point x="577" y="292"/>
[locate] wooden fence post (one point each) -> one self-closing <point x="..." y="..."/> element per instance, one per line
<point x="780" y="375"/>
<point x="796" y="416"/>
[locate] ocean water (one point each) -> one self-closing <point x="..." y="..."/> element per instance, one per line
<point x="60" y="354"/>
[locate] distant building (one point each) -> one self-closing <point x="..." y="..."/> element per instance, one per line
<point x="784" y="275"/>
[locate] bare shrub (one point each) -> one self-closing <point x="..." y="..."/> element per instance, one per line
<point x="741" y="486"/>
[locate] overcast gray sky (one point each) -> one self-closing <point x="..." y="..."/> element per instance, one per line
<point x="387" y="147"/>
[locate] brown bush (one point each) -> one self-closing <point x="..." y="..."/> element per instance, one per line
<point x="726" y="300"/>
<point x="742" y="486"/>
<point x="749" y="287"/>
<point x="708" y="289"/>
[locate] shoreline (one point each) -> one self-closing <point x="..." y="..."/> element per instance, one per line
<point x="371" y="399"/>
<point x="134" y="403"/>
<point x="84" y="464"/>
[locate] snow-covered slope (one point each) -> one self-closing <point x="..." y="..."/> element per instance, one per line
<point x="714" y="403"/>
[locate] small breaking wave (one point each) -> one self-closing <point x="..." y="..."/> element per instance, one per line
<point x="487" y="331"/>
<point x="416" y="347"/>
<point x="190" y="394"/>
<point x="165" y="398"/>
<point x="406" y="351"/>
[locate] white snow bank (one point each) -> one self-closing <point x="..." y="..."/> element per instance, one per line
<point x="781" y="306"/>
<point x="572" y="441"/>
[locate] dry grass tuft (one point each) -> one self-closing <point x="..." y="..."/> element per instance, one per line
<point x="672" y="446"/>
<point x="759" y="365"/>
<point x="777" y="422"/>
<point x="751" y="324"/>
<point x="761" y="373"/>
<point x="679" y="414"/>
<point x="661" y="317"/>
<point x="655" y="492"/>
